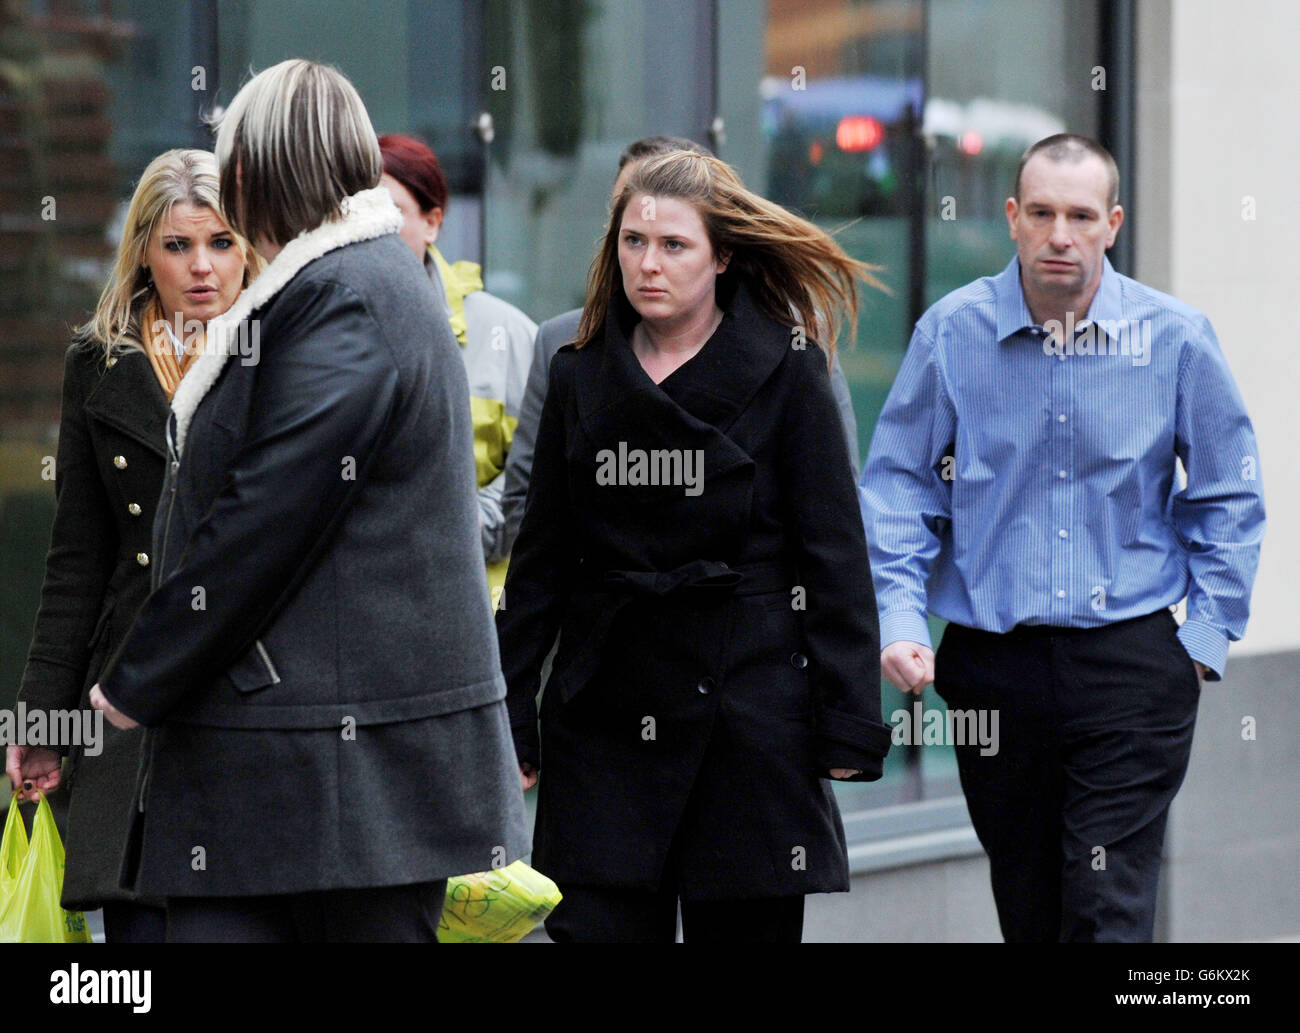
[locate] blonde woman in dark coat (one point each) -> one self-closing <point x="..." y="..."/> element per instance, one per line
<point x="178" y="265"/>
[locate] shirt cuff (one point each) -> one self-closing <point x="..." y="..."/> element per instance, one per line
<point x="1207" y="645"/>
<point x="906" y="626"/>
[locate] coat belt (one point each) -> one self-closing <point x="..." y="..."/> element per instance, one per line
<point x="699" y="581"/>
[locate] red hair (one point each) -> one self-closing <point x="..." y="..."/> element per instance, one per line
<point x="416" y="167"/>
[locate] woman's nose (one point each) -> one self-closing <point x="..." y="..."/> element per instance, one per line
<point x="202" y="261"/>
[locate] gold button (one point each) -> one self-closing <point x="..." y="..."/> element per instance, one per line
<point x="112" y="361"/>
<point x="119" y="462"/>
<point x="142" y="559"/>
<point x="133" y="509"/>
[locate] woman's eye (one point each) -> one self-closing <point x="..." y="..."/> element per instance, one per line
<point x="631" y="239"/>
<point x="223" y="244"/>
<point x="673" y="245"/>
<point x="174" y="245"/>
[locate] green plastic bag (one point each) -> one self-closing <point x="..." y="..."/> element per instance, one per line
<point x="500" y="906"/>
<point x="31" y="883"/>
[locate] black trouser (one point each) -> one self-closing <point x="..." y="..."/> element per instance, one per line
<point x="590" y="914"/>
<point x="387" y="914"/>
<point x="1095" y="730"/>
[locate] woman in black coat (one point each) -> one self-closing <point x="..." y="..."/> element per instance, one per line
<point x="693" y="532"/>
<point x="178" y="265"/>
<point x="317" y="665"/>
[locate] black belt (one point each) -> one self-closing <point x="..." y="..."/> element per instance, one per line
<point x="695" y="582"/>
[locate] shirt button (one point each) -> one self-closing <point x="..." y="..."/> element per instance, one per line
<point x="1060" y="418"/>
<point x="1063" y="533"/>
<point x="1060" y="474"/>
<point x="133" y="509"/>
<point x="119" y="462"/>
<point x="706" y="686"/>
<point x="1060" y="593"/>
<point x="142" y="558"/>
<point x="798" y="660"/>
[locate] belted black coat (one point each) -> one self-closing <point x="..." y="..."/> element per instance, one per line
<point x="108" y="473"/>
<point x="316" y="662"/>
<point x="719" y="649"/>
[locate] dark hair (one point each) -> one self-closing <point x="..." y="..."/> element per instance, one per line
<point x="653" y="146"/>
<point x="1073" y="148"/>
<point x="295" y="141"/>
<point x="416" y="167"/>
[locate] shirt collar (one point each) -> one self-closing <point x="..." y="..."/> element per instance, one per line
<point x="1013" y="311"/>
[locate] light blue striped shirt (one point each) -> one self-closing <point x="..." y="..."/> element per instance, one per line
<point x="1012" y="480"/>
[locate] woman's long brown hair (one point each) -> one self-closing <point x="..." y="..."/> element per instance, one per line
<point x="798" y="274"/>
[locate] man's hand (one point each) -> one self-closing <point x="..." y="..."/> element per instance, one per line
<point x="845" y="772"/>
<point x="33" y="770"/>
<point x="115" y="717"/>
<point x="908" y="666"/>
<point x="527" y="776"/>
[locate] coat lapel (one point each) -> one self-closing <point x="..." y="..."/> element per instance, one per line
<point x="129" y="398"/>
<point x="366" y="215"/>
<point x="617" y="398"/>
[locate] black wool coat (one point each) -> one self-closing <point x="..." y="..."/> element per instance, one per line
<point x="108" y="473"/>
<point x="316" y="662"/>
<point x="719" y="649"/>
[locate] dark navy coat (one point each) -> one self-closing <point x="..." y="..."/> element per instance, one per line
<point x="108" y="473"/>
<point x="719" y="649"/>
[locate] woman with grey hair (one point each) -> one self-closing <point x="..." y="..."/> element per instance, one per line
<point x="178" y="265"/>
<point x="317" y="664"/>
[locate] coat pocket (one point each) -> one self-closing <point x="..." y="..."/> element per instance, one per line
<point x="254" y="671"/>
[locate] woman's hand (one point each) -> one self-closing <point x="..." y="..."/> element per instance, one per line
<point x="527" y="776"/>
<point x="845" y="772"/>
<point x="115" y="717"/>
<point x="33" y="770"/>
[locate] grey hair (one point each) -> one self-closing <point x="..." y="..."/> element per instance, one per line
<point x="1070" y="147"/>
<point x="295" y="141"/>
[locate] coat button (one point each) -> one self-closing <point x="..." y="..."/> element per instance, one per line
<point x="142" y="558"/>
<point x="119" y="462"/>
<point x="133" y="509"/>
<point x="798" y="660"/>
<point x="706" y="685"/>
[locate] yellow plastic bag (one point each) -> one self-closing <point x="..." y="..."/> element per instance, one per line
<point x="31" y="882"/>
<point x="500" y="906"/>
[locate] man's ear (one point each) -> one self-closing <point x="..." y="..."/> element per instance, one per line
<point x="1013" y="209"/>
<point x="724" y="259"/>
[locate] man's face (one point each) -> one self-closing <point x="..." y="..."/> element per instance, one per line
<point x="1062" y="225"/>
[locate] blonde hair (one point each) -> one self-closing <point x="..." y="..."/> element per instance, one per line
<point x="300" y="140"/>
<point x="172" y="178"/>
<point x="797" y="273"/>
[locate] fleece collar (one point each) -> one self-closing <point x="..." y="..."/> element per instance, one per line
<point x="366" y="214"/>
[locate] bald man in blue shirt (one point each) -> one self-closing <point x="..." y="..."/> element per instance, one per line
<point x="1022" y="485"/>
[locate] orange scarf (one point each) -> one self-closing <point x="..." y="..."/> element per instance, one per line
<point x="162" y="353"/>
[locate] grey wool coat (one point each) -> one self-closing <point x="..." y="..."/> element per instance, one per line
<point x="108" y="473"/>
<point x="719" y="651"/>
<point x="316" y="663"/>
